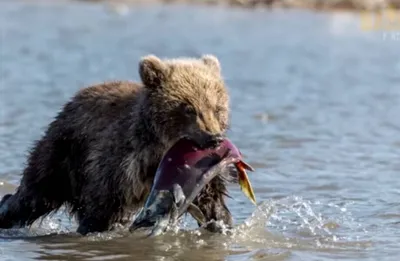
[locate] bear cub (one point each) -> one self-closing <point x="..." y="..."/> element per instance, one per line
<point x="99" y="155"/>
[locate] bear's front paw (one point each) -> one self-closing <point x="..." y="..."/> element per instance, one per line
<point x="217" y="227"/>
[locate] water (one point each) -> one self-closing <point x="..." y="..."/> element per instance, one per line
<point x="315" y="105"/>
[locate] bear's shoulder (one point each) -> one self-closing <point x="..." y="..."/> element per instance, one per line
<point x="108" y="100"/>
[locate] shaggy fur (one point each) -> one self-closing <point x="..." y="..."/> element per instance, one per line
<point x="100" y="154"/>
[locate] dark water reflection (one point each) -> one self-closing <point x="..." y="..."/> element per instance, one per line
<point x="315" y="104"/>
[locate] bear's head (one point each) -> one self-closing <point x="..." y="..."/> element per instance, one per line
<point x="185" y="97"/>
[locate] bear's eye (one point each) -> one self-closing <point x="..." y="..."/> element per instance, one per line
<point x="188" y="110"/>
<point x="219" y="109"/>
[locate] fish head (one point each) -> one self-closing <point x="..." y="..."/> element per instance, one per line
<point x="160" y="210"/>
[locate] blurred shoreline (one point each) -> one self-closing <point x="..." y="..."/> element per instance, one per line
<point x="317" y="5"/>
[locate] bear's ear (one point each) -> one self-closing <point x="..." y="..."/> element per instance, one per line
<point x="152" y="71"/>
<point x="212" y="62"/>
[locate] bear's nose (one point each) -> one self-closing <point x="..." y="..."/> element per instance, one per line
<point x="205" y="140"/>
<point x="218" y="139"/>
<point x="214" y="140"/>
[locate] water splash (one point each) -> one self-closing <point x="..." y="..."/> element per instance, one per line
<point x="276" y="227"/>
<point x="295" y="223"/>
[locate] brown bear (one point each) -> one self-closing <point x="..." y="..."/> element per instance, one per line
<point x="99" y="155"/>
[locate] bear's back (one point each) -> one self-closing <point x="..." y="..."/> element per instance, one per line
<point x="94" y="108"/>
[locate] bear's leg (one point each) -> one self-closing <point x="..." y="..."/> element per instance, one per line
<point x="18" y="211"/>
<point x="45" y="184"/>
<point x="4" y="199"/>
<point x="92" y="224"/>
<point x="215" y="211"/>
<point x="211" y="202"/>
<point x="96" y="218"/>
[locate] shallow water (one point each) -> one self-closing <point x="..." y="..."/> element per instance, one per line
<point x="315" y="105"/>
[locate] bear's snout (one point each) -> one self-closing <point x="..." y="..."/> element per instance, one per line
<point x="207" y="140"/>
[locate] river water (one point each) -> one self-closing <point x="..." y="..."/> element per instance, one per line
<point x="315" y="109"/>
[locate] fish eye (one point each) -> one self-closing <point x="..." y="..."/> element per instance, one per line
<point x="148" y="212"/>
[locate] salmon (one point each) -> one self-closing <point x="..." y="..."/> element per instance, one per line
<point x="182" y="173"/>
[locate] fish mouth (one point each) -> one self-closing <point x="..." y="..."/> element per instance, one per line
<point x="183" y="172"/>
<point x="156" y="213"/>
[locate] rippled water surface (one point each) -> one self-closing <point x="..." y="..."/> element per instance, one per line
<point x="315" y="108"/>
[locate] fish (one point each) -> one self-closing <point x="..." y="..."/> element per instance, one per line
<point x="181" y="174"/>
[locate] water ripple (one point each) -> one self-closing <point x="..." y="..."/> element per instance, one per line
<point x="315" y="105"/>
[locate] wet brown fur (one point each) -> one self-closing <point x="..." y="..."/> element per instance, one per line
<point x="99" y="156"/>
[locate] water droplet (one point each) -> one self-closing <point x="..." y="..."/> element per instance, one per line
<point x="169" y="159"/>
